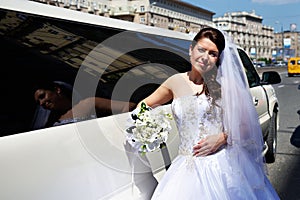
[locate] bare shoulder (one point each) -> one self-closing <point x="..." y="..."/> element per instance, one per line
<point x="174" y="80"/>
<point x="180" y="85"/>
<point x="179" y="76"/>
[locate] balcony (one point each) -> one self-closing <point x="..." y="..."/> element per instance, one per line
<point x="123" y="11"/>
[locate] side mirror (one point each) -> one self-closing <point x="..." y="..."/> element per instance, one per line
<point x="270" y="77"/>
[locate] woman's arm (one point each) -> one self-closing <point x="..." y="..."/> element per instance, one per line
<point x="160" y="96"/>
<point x="82" y="109"/>
<point x="86" y="107"/>
<point x="121" y="106"/>
<point x="114" y="106"/>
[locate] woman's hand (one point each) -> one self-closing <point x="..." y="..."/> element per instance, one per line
<point x="209" y="144"/>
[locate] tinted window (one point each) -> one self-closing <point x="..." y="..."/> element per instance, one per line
<point x="39" y="48"/>
<point x="252" y="76"/>
<point x="293" y="62"/>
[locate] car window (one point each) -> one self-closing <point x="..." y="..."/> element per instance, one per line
<point x="252" y="76"/>
<point x="293" y="62"/>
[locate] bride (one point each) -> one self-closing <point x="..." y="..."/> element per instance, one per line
<point x="220" y="151"/>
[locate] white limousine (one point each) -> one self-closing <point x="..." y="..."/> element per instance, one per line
<point x="95" y="56"/>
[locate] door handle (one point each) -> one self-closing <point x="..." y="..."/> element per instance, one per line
<point x="255" y="101"/>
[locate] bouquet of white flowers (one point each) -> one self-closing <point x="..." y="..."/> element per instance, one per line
<point x="150" y="130"/>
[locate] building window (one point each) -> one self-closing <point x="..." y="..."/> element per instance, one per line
<point x="142" y="20"/>
<point x="142" y="8"/>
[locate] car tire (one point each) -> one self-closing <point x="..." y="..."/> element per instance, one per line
<point x="272" y="140"/>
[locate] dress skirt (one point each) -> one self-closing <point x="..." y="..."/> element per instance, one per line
<point x="215" y="177"/>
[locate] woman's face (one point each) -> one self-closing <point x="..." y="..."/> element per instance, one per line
<point x="47" y="99"/>
<point x="204" y="55"/>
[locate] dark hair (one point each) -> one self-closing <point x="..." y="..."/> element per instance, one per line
<point x="52" y="85"/>
<point x="211" y="87"/>
<point x="212" y="34"/>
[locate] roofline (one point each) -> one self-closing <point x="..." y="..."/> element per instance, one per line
<point x="194" y="7"/>
<point x="37" y="8"/>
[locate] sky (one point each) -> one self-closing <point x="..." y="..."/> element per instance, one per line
<point x="279" y="14"/>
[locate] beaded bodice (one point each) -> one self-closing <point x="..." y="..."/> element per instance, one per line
<point x="195" y="118"/>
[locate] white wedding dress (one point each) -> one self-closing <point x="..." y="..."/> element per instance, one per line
<point x="212" y="177"/>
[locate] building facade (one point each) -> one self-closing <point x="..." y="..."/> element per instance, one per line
<point x="174" y="15"/>
<point x="286" y="45"/>
<point x="247" y="30"/>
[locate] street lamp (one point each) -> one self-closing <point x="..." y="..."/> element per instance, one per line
<point x="282" y="37"/>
